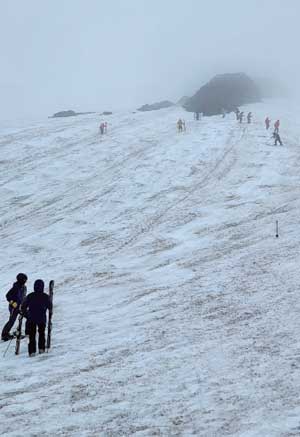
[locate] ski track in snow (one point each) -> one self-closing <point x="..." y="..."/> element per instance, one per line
<point x="176" y="310"/>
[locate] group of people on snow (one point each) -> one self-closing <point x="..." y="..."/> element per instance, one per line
<point x="198" y="115"/>
<point x="240" y="116"/>
<point x="275" y="134"/>
<point x="33" y="307"/>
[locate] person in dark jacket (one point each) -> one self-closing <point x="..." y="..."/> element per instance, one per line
<point x="277" y="139"/>
<point x="34" y="308"/>
<point x="15" y="297"/>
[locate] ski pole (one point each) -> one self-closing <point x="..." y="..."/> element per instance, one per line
<point x="7" y="347"/>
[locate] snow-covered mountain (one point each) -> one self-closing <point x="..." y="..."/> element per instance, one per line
<point x="177" y="310"/>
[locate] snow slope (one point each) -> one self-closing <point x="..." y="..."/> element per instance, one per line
<point x="176" y="308"/>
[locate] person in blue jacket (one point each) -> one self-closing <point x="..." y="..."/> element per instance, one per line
<point x="34" y="308"/>
<point x="15" y="297"/>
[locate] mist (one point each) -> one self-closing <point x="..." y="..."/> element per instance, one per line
<point x="106" y="55"/>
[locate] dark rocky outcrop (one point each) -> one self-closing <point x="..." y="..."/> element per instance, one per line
<point x="69" y="113"/>
<point x="156" y="106"/>
<point x="224" y="92"/>
<point x="106" y="113"/>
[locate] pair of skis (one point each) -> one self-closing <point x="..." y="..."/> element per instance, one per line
<point x="20" y="322"/>
<point x="51" y="289"/>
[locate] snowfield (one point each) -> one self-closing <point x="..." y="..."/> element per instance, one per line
<point x="176" y="309"/>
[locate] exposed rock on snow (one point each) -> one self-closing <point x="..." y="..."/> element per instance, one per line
<point x="69" y="113"/>
<point x="156" y="106"/>
<point x="224" y="92"/>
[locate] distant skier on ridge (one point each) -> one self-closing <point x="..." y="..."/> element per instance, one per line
<point x="276" y="126"/>
<point x="237" y="114"/>
<point x="102" y="128"/>
<point x="277" y="138"/>
<point x="180" y="125"/>
<point x="267" y="123"/>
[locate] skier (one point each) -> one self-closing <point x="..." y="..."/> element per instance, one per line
<point x="241" y="116"/>
<point x="237" y="114"/>
<point x="15" y="297"/>
<point x="277" y="138"/>
<point x="276" y="126"/>
<point x="34" y="309"/>
<point x="179" y="125"/>
<point x="101" y="128"/>
<point x="197" y="116"/>
<point x="267" y="123"/>
<point x="249" y="117"/>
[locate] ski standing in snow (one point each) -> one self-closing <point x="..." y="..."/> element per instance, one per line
<point x="51" y="290"/>
<point x="19" y="334"/>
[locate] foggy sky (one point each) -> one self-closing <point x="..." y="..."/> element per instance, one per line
<point x="112" y="54"/>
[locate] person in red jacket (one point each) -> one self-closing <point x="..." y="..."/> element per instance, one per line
<point x="276" y="126"/>
<point x="267" y="123"/>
